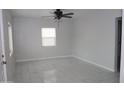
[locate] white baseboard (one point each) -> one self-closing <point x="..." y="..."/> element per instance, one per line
<point x="93" y="63"/>
<point x="6" y="82"/>
<point x="39" y="59"/>
<point x="10" y="81"/>
<point x="84" y="60"/>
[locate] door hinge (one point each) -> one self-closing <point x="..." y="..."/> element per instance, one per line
<point x="2" y="56"/>
<point x="4" y="62"/>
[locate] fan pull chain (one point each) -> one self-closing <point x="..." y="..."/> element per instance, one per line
<point x="58" y="24"/>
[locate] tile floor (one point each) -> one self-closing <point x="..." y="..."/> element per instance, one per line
<point x="63" y="70"/>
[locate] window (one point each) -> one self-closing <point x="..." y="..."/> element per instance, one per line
<point x="48" y="36"/>
<point x="10" y="39"/>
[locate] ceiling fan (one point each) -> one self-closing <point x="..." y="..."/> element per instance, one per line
<point x="58" y="14"/>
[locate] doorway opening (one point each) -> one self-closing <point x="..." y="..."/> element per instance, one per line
<point x="118" y="44"/>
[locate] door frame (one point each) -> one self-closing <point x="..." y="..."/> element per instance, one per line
<point x="3" y="46"/>
<point x="116" y="43"/>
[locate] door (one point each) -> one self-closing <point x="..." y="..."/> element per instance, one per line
<point x="119" y="33"/>
<point x="3" y="75"/>
<point x="1" y="69"/>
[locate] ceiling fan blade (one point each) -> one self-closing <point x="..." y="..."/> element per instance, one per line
<point x="69" y="14"/>
<point x="47" y="16"/>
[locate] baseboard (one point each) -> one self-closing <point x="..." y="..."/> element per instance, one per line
<point x="84" y="60"/>
<point x="7" y="82"/>
<point x="39" y="59"/>
<point x="10" y="81"/>
<point x="93" y="63"/>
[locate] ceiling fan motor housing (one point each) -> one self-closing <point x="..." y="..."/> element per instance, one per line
<point x="58" y="14"/>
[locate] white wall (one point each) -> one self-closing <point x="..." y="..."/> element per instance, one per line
<point x="27" y="38"/>
<point x="10" y="60"/>
<point x="122" y="52"/>
<point x="94" y="37"/>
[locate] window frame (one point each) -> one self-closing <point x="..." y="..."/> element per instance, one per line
<point x="48" y="37"/>
<point x="10" y="37"/>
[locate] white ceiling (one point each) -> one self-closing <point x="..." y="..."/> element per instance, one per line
<point x="48" y="12"/>
<point x="45" y="12"/>
<point x="31" y="12"/>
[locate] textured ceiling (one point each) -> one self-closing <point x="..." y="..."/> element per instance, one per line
<point x="44" y="12"/>
<point x="48" y="12"/>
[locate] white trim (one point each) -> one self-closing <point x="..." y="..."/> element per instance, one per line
<point x="93" y="63"/>
<point x="39" y="59"/>
<point x="122" y="51"/>
<point x="3" y="45"/>
<point x="82" y="59"/>
<point x="7" y="82"/>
